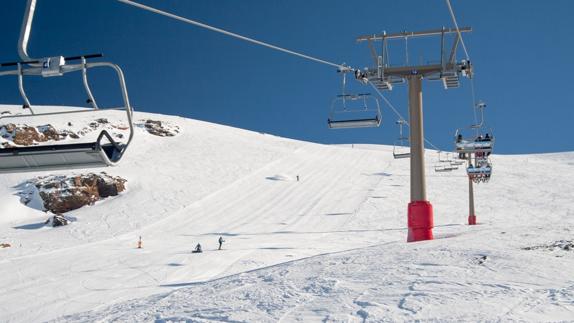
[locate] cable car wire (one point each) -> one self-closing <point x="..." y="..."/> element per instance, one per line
<point x="341" y="67"/>
<point x="398" y="114"/>
<point x="228" y="33"/>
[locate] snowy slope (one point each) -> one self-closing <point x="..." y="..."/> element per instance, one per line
<point x="330" y="246"/>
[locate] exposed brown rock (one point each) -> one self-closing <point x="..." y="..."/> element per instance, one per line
<point x="159" y="128"/>
<point x="62" y="194"/>
<point x="27" y="136"/>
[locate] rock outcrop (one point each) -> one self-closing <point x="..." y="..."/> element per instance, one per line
<point x="61" y="194"/>
<point x="160" y="128"/>
<point x="27" y="136"/>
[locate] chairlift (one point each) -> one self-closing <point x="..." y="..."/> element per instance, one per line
<point x="480" y="173"/>
<point x="98" y="153"/>
<point x="478" y="144"/>
<point x="444" y="164"/>
<point x="482" y="142"/>
<point x="354" y="110"/>
<point x="401" y="148"/>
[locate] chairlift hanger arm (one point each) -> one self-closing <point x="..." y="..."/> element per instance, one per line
<point x="411" y="34"/>
<point x="69" y="58"/>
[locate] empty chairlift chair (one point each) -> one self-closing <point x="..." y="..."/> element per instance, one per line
<point x="444" y="164"/>
<point x="354" y="111"/>
<point x="401" y="148"/>
<point x="103" y="151"/>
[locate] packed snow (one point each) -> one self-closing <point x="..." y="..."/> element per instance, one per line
<point x="312" y="233"/>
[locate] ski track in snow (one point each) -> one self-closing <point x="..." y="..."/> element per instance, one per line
<point x="329" y="247"/>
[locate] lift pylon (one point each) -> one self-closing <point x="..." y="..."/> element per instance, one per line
<point x="383" y="76"/>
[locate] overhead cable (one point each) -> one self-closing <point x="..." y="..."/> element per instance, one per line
<point x="228" y="33"/>
<point x="397" y="113"/>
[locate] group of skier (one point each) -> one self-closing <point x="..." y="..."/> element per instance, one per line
<point x="198" y="248"/>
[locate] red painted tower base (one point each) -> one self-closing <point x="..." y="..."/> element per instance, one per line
<point x="420" y="221"/>
<point x="471" y="219"/>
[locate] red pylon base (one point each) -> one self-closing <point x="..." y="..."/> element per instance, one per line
<point x="420" y="221"/>
<point x="471" y="219"/>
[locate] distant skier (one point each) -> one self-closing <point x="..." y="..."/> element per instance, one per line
<point x="197" y="249"/>
<point x="140" y="243"/>
<point x="221" y="241"/>
<point x="297" y="178"/>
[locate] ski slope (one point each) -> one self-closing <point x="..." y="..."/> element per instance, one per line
<point x="330" y="246"/>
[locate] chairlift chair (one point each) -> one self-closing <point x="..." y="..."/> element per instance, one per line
<point x="401" y="148"/>
<point x="71" y="155"/>
<point x="354" y="111"/>
<point x="480" y="143"/>
<point x="481" y="173"/>
<point x="444" y="164"/>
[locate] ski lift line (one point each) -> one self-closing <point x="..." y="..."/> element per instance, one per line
<point x="472" y="91"/>
<point x="231" y="34"/>
<point x="397" y="113"/>
<point x="457" y="29"/>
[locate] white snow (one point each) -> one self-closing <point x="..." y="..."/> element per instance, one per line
<point x="330" y="246"/>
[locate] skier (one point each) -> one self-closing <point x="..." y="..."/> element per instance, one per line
<point x="140" y="243"/>
<point x="197" y="249"/>
<point x="297" y="178"/>
<point x="221" y="241"/>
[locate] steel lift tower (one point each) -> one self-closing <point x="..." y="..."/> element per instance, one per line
<point x="384" y="76"/>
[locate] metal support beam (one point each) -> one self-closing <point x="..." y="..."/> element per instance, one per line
<point x="471" y="214"/>
<point x="420" y="214"/>
<point x="25" y="30"/>
<point x="418" y="187"/>
<point x="410" y="34"/>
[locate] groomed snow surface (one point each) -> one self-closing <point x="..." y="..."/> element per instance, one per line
<point x="329" y="247"/>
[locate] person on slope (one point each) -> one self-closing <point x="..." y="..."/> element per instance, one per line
<point x="197" y="249"/>
<point x="221" y="241"/>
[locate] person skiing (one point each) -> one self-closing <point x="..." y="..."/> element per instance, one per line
<point x="221" y="241"/>
<point x="197" y="249"/>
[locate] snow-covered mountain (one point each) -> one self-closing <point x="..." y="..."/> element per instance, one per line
<point x="312" y="233"/>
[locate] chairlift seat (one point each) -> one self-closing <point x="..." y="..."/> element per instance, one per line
<point x="441" y="169"/>
<point x="474" y="146"/>
<point x="401" y="155"/>
<point x="354" y="123"/>
<point x="50" y="157"/>
<point x="486" y="170"/>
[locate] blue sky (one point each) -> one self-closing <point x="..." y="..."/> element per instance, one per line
<point x="522" y="53"/>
